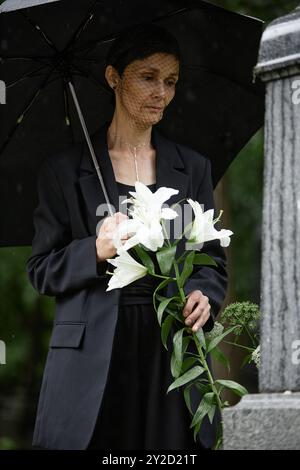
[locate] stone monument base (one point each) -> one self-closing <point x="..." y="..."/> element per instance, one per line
<point x="263" y="421"/>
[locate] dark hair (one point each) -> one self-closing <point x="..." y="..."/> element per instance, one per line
<point x="138" y="42"/>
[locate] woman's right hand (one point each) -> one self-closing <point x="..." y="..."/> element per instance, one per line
<point x="104" y="243"/>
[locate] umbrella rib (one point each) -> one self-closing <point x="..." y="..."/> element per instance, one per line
<point x="27" y="75"/>
<point x="37" y="58"/>
<point x="67" y="107"/>
<point x="81" y="27"/>
<point x="40" y="31"/>
<point x="90" y="77"/>
<point x="66" y="103"/>
<point x="24" y="112"/>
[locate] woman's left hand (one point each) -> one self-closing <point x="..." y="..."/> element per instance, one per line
<point x="199" y="316"/>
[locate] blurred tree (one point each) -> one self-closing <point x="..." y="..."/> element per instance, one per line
<point x="267" y="10"/>
<point x="25" y="323"/>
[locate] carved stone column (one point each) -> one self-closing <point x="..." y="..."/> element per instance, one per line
<point x="271" y="419"/>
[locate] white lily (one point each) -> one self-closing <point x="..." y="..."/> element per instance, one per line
<point x="150" y="235"/>
<point x="127" y="270"/>
<point x="145" y="226"/>
<point x="146" y="203"/>
<point x="203" y="229"/>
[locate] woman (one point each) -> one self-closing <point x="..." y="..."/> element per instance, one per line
<point x="107" y="372"/>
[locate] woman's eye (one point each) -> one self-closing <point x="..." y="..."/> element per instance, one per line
<point x="170" y="82"/>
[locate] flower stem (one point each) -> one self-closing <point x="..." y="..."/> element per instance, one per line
<point x="247" y="331"/>
<point x="160" y="275"/>
<point x="180" y="289"/>
<point x="210" y="378"/>
<point x="201" y="355"/>
<point x="182" y="256"/>
<point x="239" y="345"/>
<point x="250" y="335"/>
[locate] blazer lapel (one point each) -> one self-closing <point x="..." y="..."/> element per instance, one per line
<point x="169" y="166"/>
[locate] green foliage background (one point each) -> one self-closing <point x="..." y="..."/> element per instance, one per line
<point x="26" y="318"/>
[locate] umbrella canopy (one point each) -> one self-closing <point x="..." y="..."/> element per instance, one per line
<point x="11" y="5"/>
<point x="216" y="110"/>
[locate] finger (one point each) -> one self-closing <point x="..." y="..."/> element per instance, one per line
<point x="109" y="234"/>
<point x="201" y="321"/>
<point x="196" y="313"/>
<point x="193" y="297"/>
<point x="196" y="298"/>
<point x="114" y="223"/>
<point x="122" y="232"/>
<point x="190" y="304"/>
<point x="104" y="224"/>
<point x="120" y="216"/>
<point x="116" y="218"/>
<point x="124" y="239"/>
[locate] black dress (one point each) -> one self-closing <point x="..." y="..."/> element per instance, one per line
<point x="136" y="412"/>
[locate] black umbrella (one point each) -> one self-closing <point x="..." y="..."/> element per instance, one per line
<point x="54" y="53"/>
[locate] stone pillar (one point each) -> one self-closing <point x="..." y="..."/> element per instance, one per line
<point x="271" y="419"/>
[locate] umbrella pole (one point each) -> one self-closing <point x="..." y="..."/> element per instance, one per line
<point x="91" y="149"/>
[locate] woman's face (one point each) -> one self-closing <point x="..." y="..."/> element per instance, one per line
<point x="147" y="87"/>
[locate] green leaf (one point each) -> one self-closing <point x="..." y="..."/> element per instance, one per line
<point x="160" y="286"/>
<point x="211" y="413"/>
<point x="187" y="398"/>
<point x="174" y="314"/>
<point x="234" y="386"/>
<point x="219" y="438"/>
<point x="204" y="259"/>
<point x="161" y="297"/>
<point x="201" y="337"/>
<point x="186" y="377"/>
<point x="185" y="342"/>
<point x="247" y="359"/>
<point x="187" y="363"/>
<point x="161" y="308"/>
<point x="165" y="258"/>
<point x="187" y="268"/>
<point x="177" y="341"/>
<point x="145" y="258"/>
<point x="197" y="429"/>
<point x="177" y="353"/>
<point x="204" y="407"/>
<point x="214" y="342"/>
<point x="173" y="306"/>
<point x="165" y="330"/>
<point x="202" y="387"/>
<point x="219" y="356"/>
<point x="181" y="257"/>
<point x="175" y="366"/>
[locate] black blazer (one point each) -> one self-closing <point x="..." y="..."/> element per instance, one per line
<point x="63" y="264"/>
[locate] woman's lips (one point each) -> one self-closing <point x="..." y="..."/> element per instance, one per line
<point x="154" y="109"/>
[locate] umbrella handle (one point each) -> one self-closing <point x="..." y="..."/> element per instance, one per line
<point x="91" y="149"/>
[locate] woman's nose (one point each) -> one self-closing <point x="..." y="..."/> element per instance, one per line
<point x="160" y="89"/>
